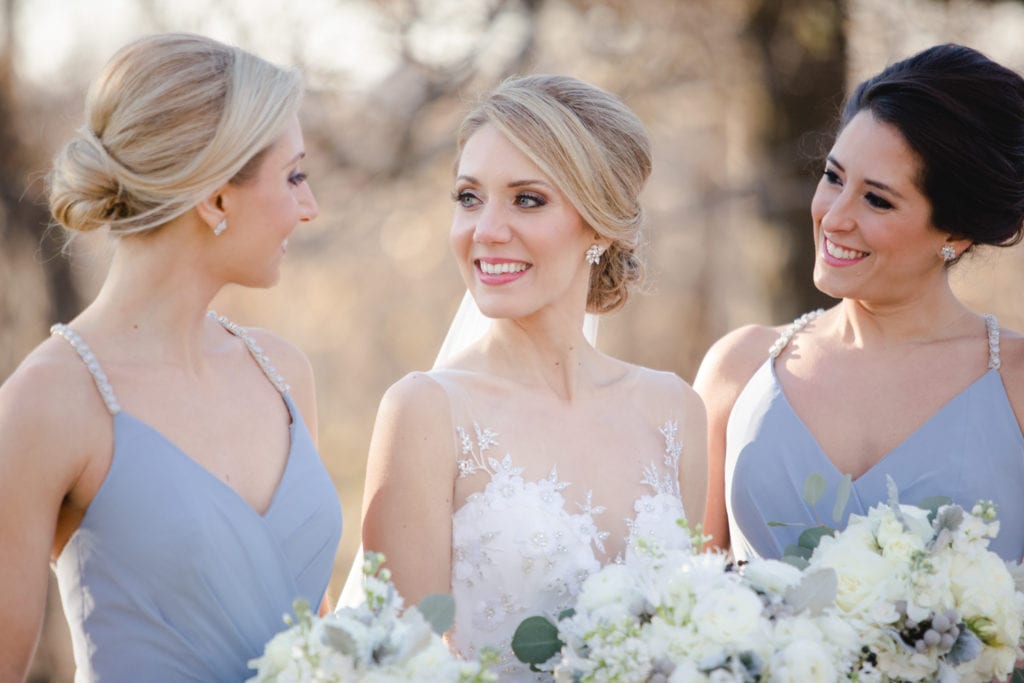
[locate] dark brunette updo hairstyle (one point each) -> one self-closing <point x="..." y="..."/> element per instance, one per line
<point x="963" y="115"/>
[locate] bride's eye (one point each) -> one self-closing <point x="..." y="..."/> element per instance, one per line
<point x="465" y="199"/>
<point x="529" y="200"/>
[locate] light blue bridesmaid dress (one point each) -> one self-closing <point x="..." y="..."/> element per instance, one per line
<point x="171" y="575"/>
<point x="971" y="449"/>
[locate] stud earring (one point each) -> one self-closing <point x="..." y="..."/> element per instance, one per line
<point x="948" y="253"/>
<point x="594" y="252"/>
<point x="221" y="227"/>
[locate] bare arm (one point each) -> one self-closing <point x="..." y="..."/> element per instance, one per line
<point x="40" y="449"/>
<point x="693" y="470"/>
<point x="723" y="373"/>
<point x="410" y="478"/>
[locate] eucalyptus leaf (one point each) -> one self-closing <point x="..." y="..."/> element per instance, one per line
<point x="932" y="505"/>
<point x="814" y="488"/>
<point x="439" y="611"/>
<point x="842" y="498"/>
<point x="798" y="551"/>
<point x="567" y="613"/>
<point x="798" y="562"/>
<point x="536" y="641"/>
<point x="1018" y="676"/>
<point x="815" y="592"/>
<point x="811" y="537"/>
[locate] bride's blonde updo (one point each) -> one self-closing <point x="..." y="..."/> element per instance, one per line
<point x="594" y="149"/>
<point x="171" y="118"/>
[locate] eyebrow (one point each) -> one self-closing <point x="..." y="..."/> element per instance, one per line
<point x="867" y="181"/>
<point x="301" y="155"/>
<point x="513" y="184"/>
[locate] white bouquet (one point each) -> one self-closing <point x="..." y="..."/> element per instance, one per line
<point x="929" y="600"/>
<point x="680" y="617"/>
<point x="374" y="643"/>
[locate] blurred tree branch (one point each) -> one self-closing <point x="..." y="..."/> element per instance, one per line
<point x="24" y="214"/>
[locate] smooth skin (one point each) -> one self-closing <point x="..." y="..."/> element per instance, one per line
<point x="898" y="346"/>
<point x="169" y="365"/>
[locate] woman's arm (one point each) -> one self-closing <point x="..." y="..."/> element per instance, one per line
<point x="723" y="373"/>
<point x="43" y="435"/>
<point x="410" y="481"/>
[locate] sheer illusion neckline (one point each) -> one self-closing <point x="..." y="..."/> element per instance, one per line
<point x="506" y="480"/>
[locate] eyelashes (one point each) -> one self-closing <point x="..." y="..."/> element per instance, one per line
<point x="297" y="178"/>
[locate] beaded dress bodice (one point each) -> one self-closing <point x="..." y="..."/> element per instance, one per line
<point x="972" y="448"/>
<point x="172" y="576"/>
<point x="525" y="538"/>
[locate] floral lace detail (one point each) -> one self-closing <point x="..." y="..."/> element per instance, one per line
<point x="518" y="550"/>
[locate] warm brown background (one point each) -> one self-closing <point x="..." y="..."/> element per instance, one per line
<point x="738" y="96"/>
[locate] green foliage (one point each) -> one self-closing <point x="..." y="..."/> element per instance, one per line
<point x="536" y="641"/>
<point x="814" y="488"/>
<point x="842" y="498"/>
<point x="932" y="505"/>
<point x="439" y="611"/>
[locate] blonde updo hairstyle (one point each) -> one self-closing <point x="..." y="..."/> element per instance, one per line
<point x="594" y="149"/>
<point x="171" y="118"/>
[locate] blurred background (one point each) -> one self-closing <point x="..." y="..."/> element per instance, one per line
<point x="740" y="98"/>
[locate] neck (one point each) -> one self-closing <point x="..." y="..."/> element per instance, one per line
<point x="153" y="303"/>
<point x="927" y="317"/>
<point x="551" y="356"/>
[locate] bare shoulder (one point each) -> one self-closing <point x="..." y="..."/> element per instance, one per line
<point x="734" y="358"/>
<point x="52" y="412"/>
<point x="416" y="397"/>
<point x="289" y="360"/>
<point x="661" y="387"/>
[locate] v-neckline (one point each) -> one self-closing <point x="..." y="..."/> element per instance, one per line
<point x="206" y="473"/>
<point x="891" y="452"/>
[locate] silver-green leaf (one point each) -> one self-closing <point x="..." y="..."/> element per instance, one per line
<point x="814" y="488"/>
<point x="842" y="498"/>
<point x="439" y="611"/>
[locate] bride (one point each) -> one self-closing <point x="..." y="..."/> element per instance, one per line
<point x="526" y="461"/>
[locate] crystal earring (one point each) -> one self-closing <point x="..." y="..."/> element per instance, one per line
<point x="221" y="227"/>
<point x="594" y="252"/>
<point x="948" y="253"/>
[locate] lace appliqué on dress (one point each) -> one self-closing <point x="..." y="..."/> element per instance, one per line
<point x="518" y="550"/>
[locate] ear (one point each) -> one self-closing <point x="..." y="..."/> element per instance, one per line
<point x="211" y="208"/>
<point x="960" y="244"/>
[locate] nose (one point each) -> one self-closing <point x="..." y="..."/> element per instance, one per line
<point x="491" y="226"/>
<point x="837" y="212"/>
<point x="308" y="208"/>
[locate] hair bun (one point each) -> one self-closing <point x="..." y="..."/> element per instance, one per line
<point x="84" y="192"/>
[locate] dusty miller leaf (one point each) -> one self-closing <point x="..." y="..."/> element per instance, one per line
<point x="439" y="611"/>
<point x="842" y="498"/>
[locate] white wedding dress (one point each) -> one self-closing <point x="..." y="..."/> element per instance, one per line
<point x="526" y="532"/>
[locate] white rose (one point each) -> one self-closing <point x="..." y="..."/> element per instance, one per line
<point x="803" y="661"/>
<point x="729" y="615"/>
<point x="610" y="594"/>
<point x="863" y="575"/>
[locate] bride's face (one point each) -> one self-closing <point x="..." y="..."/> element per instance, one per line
<point x="519" y="242"/>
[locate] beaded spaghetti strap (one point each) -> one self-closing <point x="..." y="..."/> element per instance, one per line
<point x="86" y="354"/>
<point x="254" y="349"/>
<point x="791" y="330"/>
<point x="992" y="327"/>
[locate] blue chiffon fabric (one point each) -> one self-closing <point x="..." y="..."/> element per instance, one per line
<point x="971" y="449"/>
<point x="173" y="577"/>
